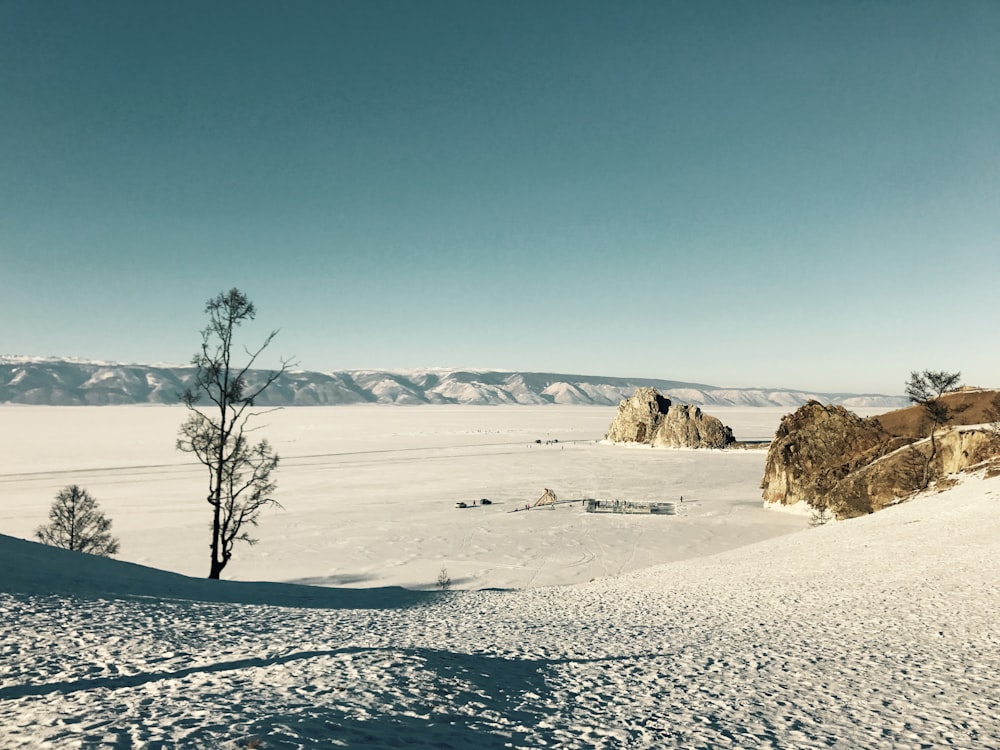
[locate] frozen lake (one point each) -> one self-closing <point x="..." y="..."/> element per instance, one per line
<point x="756" y="646"/>
<point x="369" y="492"/>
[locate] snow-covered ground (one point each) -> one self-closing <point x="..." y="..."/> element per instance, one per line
<point x="370" y="492"/>
<point x="876" y="632"/>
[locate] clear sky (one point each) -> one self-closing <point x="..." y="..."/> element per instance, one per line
<point x="789" y="194"/>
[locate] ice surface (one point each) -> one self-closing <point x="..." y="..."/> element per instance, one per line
<point x="369" y="492"/>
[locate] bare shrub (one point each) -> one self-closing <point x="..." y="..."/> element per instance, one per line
<point x="820" y="516"/>
<point x="443" y="580"/>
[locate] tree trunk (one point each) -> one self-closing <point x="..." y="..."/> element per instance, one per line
<point x="217" y="563"/>
<point x="930" y="460"/>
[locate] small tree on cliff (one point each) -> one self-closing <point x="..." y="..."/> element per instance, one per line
<point x="76" y="523"/>
<point x="239" y="470"/>
<point x="926" y="388"/>
<point x="993" y="415"/>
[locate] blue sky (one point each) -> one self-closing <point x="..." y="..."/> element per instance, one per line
<point x="789" y="194"/>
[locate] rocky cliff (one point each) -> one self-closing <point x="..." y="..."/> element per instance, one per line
<point x="649" y="417"/>
<point x="827" y="457"/>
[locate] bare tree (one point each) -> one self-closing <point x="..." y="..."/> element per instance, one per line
<point x="993" y="415"/>
<point x="76" y="523"/>
<point x="239" y="470"/>
<point x="443" y="580"/>
<point x="820" y="516"/>
<point x="926" y="388"/>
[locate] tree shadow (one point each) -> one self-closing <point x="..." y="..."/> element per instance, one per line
<point x="474" y="701"/>
<point x="135" y="680"/>
<point x="344" y="579"/>
<point x="477" y="701"/>
<point x="326" y="726"/>
<point x="33" y="568"/>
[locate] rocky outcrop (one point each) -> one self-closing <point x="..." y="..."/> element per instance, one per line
<point x="813" y="449"/>
<point x="648" y="417"/>
<point x="899" y="474"/>
<point x="827" y="457"/>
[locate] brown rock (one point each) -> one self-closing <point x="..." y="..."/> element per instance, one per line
<point x="830" y="458"/>
<point x="648" y="417"/>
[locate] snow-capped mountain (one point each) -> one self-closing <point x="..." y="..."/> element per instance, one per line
<point x="62" y="382"/>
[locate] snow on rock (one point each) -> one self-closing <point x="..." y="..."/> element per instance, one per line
<point x="566" y="393"/>
<point x="521" y="391"/>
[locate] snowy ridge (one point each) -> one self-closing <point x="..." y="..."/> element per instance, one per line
<point x="64" y="382"/>
<point x="878" y="632"/>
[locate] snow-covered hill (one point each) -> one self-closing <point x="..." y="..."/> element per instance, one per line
<point x="63" y="382"/>
<point x="878" y="632"/>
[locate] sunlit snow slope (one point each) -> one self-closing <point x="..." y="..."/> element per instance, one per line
<point x="878" y="632"/>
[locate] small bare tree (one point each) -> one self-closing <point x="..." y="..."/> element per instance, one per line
<point x="820" y="516"/>
<point x="926" y="388"/>
<point x="239" y="471"/>
<point x="993" y="415"/>
<point x="76" y="523"/>
<point x="443" y="580"/>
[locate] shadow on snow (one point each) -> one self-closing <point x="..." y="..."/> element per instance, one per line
<point x="37" y="569"/>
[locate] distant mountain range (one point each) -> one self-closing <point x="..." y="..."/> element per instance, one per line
<point x="66" y="382"/>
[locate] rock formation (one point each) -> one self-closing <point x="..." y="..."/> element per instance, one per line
<point x="830" y="458"/>
<point x="648" y="417"/>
